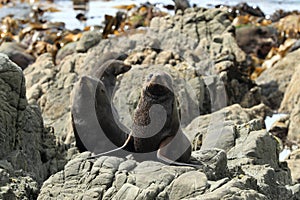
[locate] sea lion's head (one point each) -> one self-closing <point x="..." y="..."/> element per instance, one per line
<point x="158" y="86"/>
<point x="116" y="67"/>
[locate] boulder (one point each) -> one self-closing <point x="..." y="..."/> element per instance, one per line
<point x="219" y="129"/>
<point x="290" y="104"/>
<point x="28" y="150"/>
<point x="274" y="81"/>
<point x="88" y="40"/>
<point x="294" y="164"/>
<point x="66" y="50"/>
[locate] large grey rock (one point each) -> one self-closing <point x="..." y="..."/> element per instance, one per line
<point x="213" y="163"/>
<point x="114" y="178"/>
<point x="290" y="104"/>
<point x="50" y="87"/>
<point x="28" y="151"/>
<point x="219" y="129"/>
<point x="254" y="158"/>
<point x="88" y="40"/>
<point x="237" y="188"/>
<point x="66" y="50"/>
<point x="275" y="80"/>
<point x="294" y="164"/>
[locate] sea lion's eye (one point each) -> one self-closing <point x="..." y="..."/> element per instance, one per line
<point x="149" y="77"/>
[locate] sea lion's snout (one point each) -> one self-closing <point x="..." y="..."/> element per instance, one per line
<point x="156" y="90"/>
<point x="158" y="84"/>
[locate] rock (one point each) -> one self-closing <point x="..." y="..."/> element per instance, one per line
<point x="88" y="40"/>
<point x="116" y="178"/>
<point x="234" y="156"/>
<point x="24" y="164"/>
<point x="251" y="163"/>
<point x="189" y="184"/>
<point x="290" y="104"/>
<point x="17" y="53"/>
<point x="66" y="50"/>
<point x="163" y="57"/>
<point x="210" y="131"/>
<point x="294" y="164"/>
<point x="52" y="96"/>
<point x="280" y="129"/>
<point x="237" y="188"/>
<point x="260" y="161"/>
<point x="214" y="163"/>
<point x="296" y="191"/>
<point x="274" y="81"/>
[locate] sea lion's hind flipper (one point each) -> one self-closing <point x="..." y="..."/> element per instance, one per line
<point x="176" y="150"/>
<point x="128" y="146"/>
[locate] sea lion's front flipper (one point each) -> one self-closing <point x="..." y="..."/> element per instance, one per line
<point x="89" y="134"/>
<point x="108" y="120"/>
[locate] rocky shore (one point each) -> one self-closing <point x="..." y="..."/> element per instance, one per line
<point x="225" y="88"/>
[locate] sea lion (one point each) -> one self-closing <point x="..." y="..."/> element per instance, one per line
<point x="156" y="127"/>
<point x="158" y="95"/>
<point x="88" y="133"/>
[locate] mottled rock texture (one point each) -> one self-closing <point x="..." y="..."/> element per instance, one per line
<point x="28" y="150"/>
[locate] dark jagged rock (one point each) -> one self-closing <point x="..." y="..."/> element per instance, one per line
<point x="274" y="81"/>
<point x="28" y="153"/>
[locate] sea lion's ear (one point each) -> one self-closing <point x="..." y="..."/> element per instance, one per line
<point x="119" y="67"/>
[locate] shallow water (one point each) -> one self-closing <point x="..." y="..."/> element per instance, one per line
<point x="98" y="8"/>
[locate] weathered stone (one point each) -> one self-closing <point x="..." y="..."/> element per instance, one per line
<point x="274" y="81"/>
<point x="28" y="153"/>
<point x="88" y="40"/>
<point x="189" y="184"/>
<point x="212" y="130"/>
<point x="294" y="164"/>
<point x="214" y="161"/>
<point x="237" y="188"/>
<point x="290" y="104"/>
<point x="163" y="57"/>
<point x="66" y="50"/>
